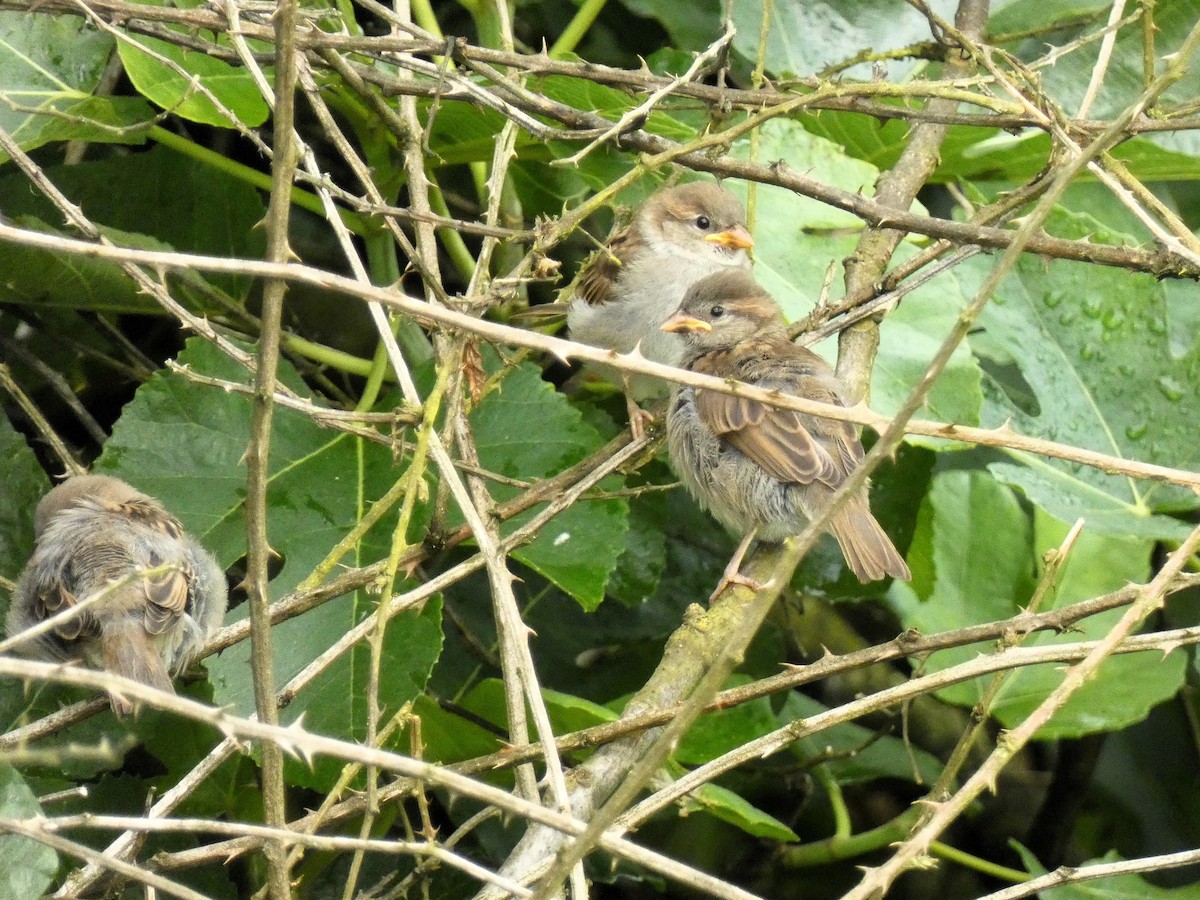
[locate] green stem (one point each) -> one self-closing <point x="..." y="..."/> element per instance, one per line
<point x="452" y="240"/>
<point x="384" y="269"/>
<point x="842" y="828"/>
<point x="422" y="12"/>
<point x="261" y="180"/>
<point x="327" y="356"/>
<point x="836" y="849"/>
<point x="577" y="28"/>
<point x="1004" y="873"/>
<point x="839" y="848"/>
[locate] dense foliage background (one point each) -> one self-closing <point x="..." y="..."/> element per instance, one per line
<point x="469" y="553"/>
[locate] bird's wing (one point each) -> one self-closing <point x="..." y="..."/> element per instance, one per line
<point x="600" y="273"/>
<point x="775" y="439"/>
<point x="164" y="594"/>
<point x="788" y="445"/>
<point x="147" y="512"/>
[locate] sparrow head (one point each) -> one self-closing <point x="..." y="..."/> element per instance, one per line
<point x="700" y="217"/>
<point x="75" y="490"/>
<point x="724" y="309"/>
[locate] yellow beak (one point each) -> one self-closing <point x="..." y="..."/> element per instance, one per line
<point x="735" y="238"/>
<point x="685" y="324"/>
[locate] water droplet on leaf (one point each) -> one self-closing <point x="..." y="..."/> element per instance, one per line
<point x="1170" y="388"/>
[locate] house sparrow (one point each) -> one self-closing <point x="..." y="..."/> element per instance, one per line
<point x="758" y="469"/>
<point x="678" y="236"/>
<point x="94" y="534"/>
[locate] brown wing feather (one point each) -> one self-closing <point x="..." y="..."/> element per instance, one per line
<point x="166" y="599"/>
<point x="601" y="271"/>
<point x="148" y="512"/>
<point x="775" y="439"/>
<point x="53" y="597"/>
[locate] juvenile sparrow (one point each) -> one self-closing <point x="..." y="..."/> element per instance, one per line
<point x="761" y="470"/>
<point x="96" y="535"/>
<point x="678" y="236"/>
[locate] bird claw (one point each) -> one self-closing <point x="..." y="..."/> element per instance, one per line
<point x="640" y="420"/>
<point x="728" y="580"/>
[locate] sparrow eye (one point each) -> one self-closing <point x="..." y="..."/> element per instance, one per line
<point x="703" y="223"/>
<point x="717" y="311"/>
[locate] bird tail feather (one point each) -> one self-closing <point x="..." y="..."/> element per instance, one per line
<point x="128" y="651"/>
<point x="868" y="550"/>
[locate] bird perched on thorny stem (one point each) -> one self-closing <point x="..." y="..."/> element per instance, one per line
<point x="137" y="596"/>
<point x="678" y="236"/>
<point x="762" y="471"/>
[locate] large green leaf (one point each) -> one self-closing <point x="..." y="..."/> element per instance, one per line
<point x="527" y="430"/>
<point x="1128" y="686"/>
<point x="24" y="484"/>
<point x="1066" y="81"/>
<point x="208" y="212"/>
<point x="846" y="28"/>
<point x="972" y="560"/>
<point x="45" y="279"/>
<point x="172" y="77"/>
<point x="184" y="443"/>
<point x="796" y="239"/>
<point x="1091" y="345"/>
<point x="853" y="753"/>
<point x="49" y="66"/>
<point x="26" y="866"/>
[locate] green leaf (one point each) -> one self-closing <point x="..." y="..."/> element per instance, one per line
<point x="45" y="279"/>
<point x="26" y="866"/>
<point x="336" y="701"/>
<point x="1066" y="81"/>
<point x="448" y="737"/>
<point x="49" y="66"/>
<point x="793" y="249"/>
<point x="716" y="732"/>
<point x="692" y="26"/>
<point x="730" y="807"/>
<point x="184" y="443"/>
<point x="1091" y="343"/>
<point x="164" y="73"/>
<point x="846" y="27"/>
<point x="645" y="558"/>
<point x="567" y="712"/>
<point x="612" y="104"/>
<point x="1127" y="687"/>
<point x="854" y="754"/>
<point x="209" y="212"/>
<point x="24" y="485"/>
<point x="972" y="558"/>
<point x="527" y="430"/>
<point x="1116" y="887"/>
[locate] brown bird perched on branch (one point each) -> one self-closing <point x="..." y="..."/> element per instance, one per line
<point x="138" y="596"/>
<point x="678" y="236"/>
<point x="763" y="471"/>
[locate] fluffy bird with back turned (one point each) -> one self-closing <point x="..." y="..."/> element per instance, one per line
<point x="760" y="470"/>
<point x="678" y="236"/>
<point x="96" y="537"/>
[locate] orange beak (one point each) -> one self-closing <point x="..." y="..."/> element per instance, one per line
<point x="679" y="323"/>
<point x="735" y="238"/>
